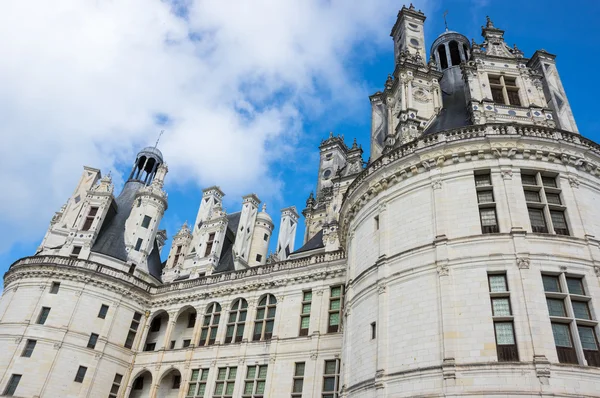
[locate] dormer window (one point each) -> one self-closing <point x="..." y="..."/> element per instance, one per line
<point x="504" y="90"/>
<point x="89" y="219"/>
<point x="209" y="244"/>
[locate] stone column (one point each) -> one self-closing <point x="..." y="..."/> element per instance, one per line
<point x="461" y="51"/>
<point x="447" y="48"/>
<point x="170" y="326"/>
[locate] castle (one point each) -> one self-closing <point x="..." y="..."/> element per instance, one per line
<point x="463" y="259"/>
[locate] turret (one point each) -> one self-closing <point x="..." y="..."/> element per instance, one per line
<point x="408" y="33"/>
<point x="263" y="230"/>
<point x="245" y="231"/>
<point x="287" y="232"/>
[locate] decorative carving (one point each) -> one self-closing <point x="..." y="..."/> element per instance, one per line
<point x="563" y="268"/>
<point x="597" y="270"/>
<point x="442" y="269"/>
<point x="449" y="368"/>
<point x="18" y="339"/>
<point x="506" y="174"/>
<point x="523" y="262"/>
<point x="272" y="359"/>
<point x="436" y="184"/>
<point x="241" y="361"/>
<point x="57" y="345"/>
<point x="574" y="181"/>
<point x="381" y="288"/>
<point x="313" y="355"/>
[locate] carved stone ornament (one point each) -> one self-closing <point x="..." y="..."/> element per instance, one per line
<point x="506" y="174"/>
<point x="442" y="270"/>
<point x="57" y="345"/>
<point x="523" y="263"/>
<point x="597" y="270"/>
<point x="272" y="359"/>
<point x="436" y="184"/>
<point x="313" y="355"/>
<point x="18" y="339"/>
<point x="574" y="182"/>
<point x="381" y="288"/>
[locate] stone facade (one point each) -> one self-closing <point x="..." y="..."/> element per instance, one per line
<point x="462" y="259"/>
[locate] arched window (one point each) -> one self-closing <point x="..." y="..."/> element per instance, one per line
<point x="265" y="318"/>
<point x="442" y="55"/>
<point x="454" y="53"/>
<point x="210" y="324"/>
<point x="236" y="321"/>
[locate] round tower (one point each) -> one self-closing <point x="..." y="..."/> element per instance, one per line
<point x="261" y="237"/>
<point x="146" y="164"/>
<point x="450" y="49"/>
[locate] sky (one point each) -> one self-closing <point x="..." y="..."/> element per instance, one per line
<point x="244" y="90"/>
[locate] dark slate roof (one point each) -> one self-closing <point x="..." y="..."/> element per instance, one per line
<point x="316" y="242"/>
<point x="111" y="241"/>
<point x="454" y="113"/>
<point x="226" y="259"/>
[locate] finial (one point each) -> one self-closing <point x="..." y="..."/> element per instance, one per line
<point x="264" y="208"/>
<point x="354" y="145"/>
<point x="446" y="22"/>
<point x="489" y="23"/>
<point x="159" y="135"/>
<point x="411" y="6"/>
<point x="331" y="134"/>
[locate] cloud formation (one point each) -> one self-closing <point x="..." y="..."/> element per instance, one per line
<point x="91" y="81"/>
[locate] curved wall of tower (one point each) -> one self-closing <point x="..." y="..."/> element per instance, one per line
<point x="442" y="300"/>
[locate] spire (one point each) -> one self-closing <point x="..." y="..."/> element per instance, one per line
<point x="445" y="21"/>
<point x="264" y="208"/>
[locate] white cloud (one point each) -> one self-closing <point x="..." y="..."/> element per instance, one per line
<point x="81" y="82"/>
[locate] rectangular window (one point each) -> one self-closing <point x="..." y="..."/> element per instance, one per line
<point x="92" y="341"/>
<point x="373" y="330"/>
<point x="146" y="221"/>
<point x="570" y="314"/>
<point x="254" y="384"/>
<point x="138" y="244"/>
<point x="504" y="330"/>
<point x="197" y="385"/>
<point x="209" y="244"/>
<point x="259" y="257"/>
<point x="28" y="350"/>
<point x="331" y="379"/>
<point x="504" y="90"/>
<point x="80" y="374"/>
<point x="485" y="200"/>
<point x="75" y="252"/>
<point x="103" y="311"/>
<point x="266" y="237"/>
<point x="376" y="218"/>
<point x="298" y="381"/>
<point x="305" y="312"/>
<point x="225" y="382"/>
<point x="135" y="323"/>
<point x="89" y="219"/>
<point x="172" y="344"/>
<point x="131" y="269"/>
<point x="545" y="208"/>
<point x="12" y="385"/>
<point x="114" y="390"/>
<point x="54" y="287"/>
<point x="150" y="347"/>
<point x="186" y="343"/>
<point x="335" y="308"/>
<point x="43" y="315"/>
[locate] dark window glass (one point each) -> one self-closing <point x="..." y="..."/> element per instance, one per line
<point x="43" y="315"/>
<point x="559" y="222"/>
<point x="497" y="95"/>
<point x="549" y="182"/>
<point x="103" y="311"/>
<point x="532" y="196"/>
<point x="138" y="244"/>
<point x="556" y="307"/>
<point x="528" y="179"/>
<point x="92" y="341"/>
<point x="29" y="346"/>
<point x="575" y="286"/>
<point x="551" y="283"/>
<point x="12" y="385"/>
<point x="146" y="221"/>
<point x="80" y="374"/>
<point x="538" y="223"/>
<point x="513" y="97"/>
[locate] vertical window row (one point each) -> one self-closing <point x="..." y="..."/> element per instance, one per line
<point x="236" y="321"/>
<point x="114" y="390"/>
<point x="225" y="382"/>
<point x="135" y="324"/>
<point x="335" y="308"/>
<point x="568" y="308"/>
<point x="486" y="202"/>
<point x="197" y="385"/>
<point x="331" y="379"/>
<point x="265" y="318"/>
<point x="256" y="378"/>
<point x="210" y="324"/>
<point x="504" y="329"/>
<point x="305" y="312"/>
<point x="298" y="383"/>
<point x="544" y="203"/>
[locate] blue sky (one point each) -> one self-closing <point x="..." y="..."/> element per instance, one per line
<point x="245" y="97"/>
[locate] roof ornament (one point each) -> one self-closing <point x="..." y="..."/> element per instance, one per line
<point x="354" y="144"/>
<point x="411" y="7"/>
<point x="159" y="135"/>
<point x="389" y="82"/>
<point x="264" y="208"/>
<point x="446" y="22"/>
<point x="489" y="23"/>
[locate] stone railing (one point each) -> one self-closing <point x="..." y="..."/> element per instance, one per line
<point x="470" y="132"/>
<point x="175" y="286"/>
<point x="254" y="271"/>
<point x="83" y="264"/>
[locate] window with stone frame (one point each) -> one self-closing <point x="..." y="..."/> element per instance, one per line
<point x="209" y="244"/>
<point x="486" y="202"/>
<point x="298" y="380"/>
<point x="103" y="311"/>
<point x="93" y="340"/>
<point x="197" y="384"/>
<point x="265" y="318"/>
<point x="116" y="385"/>
<point x="236" y="321"/>
<point x="54" y="288"/>
<point x="75" y="252"/>
<point x="135" y="324"/>
<point x="336" y="301"/>
<point x="11" y="386"/>
<point x="254" y="383"/>
<point x="146" y="221"/>
<point x="305" y="312"/>
<point x="502" y="317"/>
<point x="210" y="324"/>
<point x="573" y="327"/>
<point x="225" y="383"/>
<point x="89" y="219"/>
<point x="80" y="375"/>
<point x="504" y="90"/>
<point x="544" y="203"/>
<point x="29" y="347"/>
<point x="177" y="255"/>
<point x="43" y="316"/>
<point x="331" y="379"/>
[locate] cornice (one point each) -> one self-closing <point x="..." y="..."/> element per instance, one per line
<point x="466" y="144"/>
